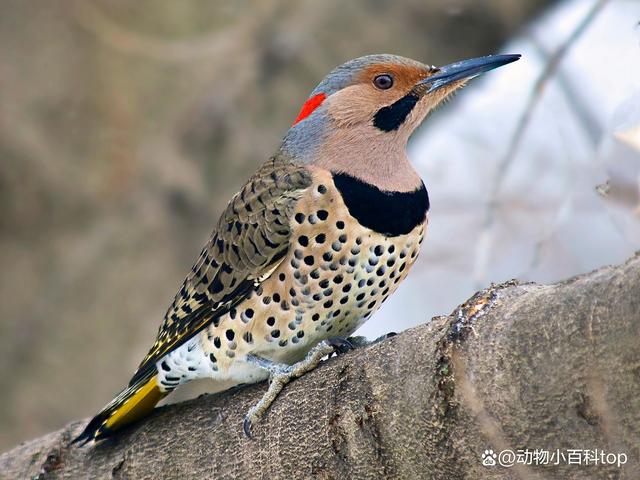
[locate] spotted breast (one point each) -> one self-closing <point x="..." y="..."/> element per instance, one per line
<point x="350" y="247"/>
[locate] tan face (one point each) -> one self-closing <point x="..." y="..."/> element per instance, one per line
<point x="356" y="105"/>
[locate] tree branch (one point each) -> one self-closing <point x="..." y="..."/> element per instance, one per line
<point x="518" y="366"/>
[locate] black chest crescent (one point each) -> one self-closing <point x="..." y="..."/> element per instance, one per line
<point x="389" y="213"/>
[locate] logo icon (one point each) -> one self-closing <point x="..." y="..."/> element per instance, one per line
<point x="489" y="458"/>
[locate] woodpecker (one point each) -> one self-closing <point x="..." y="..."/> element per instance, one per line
<point x="309" y="248"/>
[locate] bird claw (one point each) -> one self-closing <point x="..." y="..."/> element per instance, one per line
<point x="340" y="345"/>
<point x="282" y="374"/>
<point x="343" y="345"/>
<point x="384" y="337"/>
<point x="246" y="426"/>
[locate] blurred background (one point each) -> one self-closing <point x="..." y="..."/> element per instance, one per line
<point x="126" y="126"/>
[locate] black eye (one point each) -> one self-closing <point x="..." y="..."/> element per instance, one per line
<point x="383" y="82"/>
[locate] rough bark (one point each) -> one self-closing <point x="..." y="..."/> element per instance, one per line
<point x="517" y="366"/>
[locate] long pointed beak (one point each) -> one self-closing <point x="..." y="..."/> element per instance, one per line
<point x="462" y="70"/>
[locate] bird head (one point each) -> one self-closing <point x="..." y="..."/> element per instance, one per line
<point x="366" y="109"/>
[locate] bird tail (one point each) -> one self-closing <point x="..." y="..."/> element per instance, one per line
<point x="131" y="404"/>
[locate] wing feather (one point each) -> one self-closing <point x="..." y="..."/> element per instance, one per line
<point x="249" y="241"/>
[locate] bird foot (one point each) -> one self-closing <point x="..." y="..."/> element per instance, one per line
<point x="359" y="341"/>
<point x="341" y="345"/>
<point x="384" y="337"/>
<point x="282" y="374"/>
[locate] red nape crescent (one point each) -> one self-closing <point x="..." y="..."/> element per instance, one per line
<point x="309" y="106"/>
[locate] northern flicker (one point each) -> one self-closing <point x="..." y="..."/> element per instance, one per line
<point x="310" y="247"/>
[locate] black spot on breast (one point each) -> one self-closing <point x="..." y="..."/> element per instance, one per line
<point x="271" y="321"/>
<point x="389" y="213"/>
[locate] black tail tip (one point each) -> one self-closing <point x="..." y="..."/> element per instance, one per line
<point x="81" y="440"/>
<point x="94" y="430"/>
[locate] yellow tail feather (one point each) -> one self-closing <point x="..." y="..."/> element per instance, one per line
<point x="133" y="403"/>
<point x="136" y="406"/>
